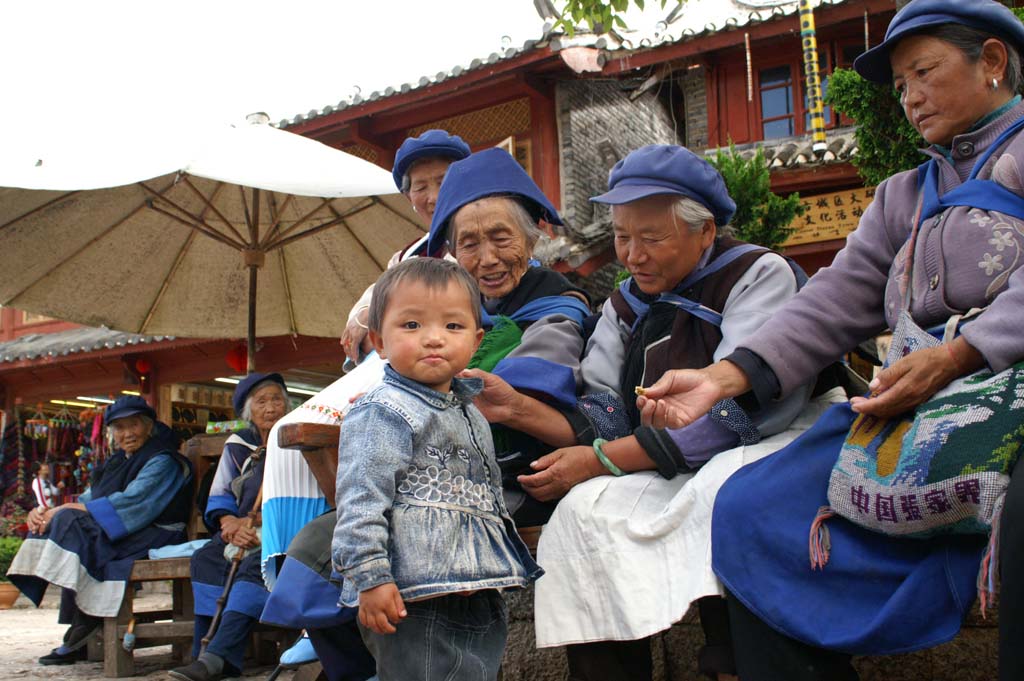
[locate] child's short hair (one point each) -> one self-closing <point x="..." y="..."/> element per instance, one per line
<point x="434" y="273"/>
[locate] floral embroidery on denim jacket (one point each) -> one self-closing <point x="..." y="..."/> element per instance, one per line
<point x="419" y="496"/>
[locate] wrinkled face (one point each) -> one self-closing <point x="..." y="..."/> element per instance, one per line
<point x="489" y="244"/>
<point x="267" y="405"/>
<point x="425" y="179"/>
<point x="130" y="433"/>
<point x="428" y="334"/>
<point x="943" y="94"/>
<point x="657" y="248"/>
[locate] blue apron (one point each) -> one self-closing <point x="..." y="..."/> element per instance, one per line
<point x="877" y="595"/>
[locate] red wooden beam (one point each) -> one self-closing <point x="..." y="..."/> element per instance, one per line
<point x="823" y="17"/>
<point x="484" y="74"/>
<point x="818" y="178"/>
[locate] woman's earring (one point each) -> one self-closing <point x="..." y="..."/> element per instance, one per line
<point x="995" y="84"/>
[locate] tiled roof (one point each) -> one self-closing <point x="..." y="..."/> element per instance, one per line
<point x="546" y="41"/>
<point x="63" y="343"/>
<point x="796" y="152"/>
<point x="695" y="19"/>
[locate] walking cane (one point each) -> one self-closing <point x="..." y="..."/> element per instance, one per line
<point x="229" y="582"/>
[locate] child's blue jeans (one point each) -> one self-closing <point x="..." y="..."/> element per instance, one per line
<point x="449" y="638"/>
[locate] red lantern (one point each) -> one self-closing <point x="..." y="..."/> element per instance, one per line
<point x="143" y="366"/>
<point x="237" y="358"/>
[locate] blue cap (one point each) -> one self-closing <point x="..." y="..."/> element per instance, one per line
<point x="669" y="169"/>
<point x="129" y="405"/>
<point x="987" y="16"/>
<point x="246" y="385"/>
<point x="486" y="173"/>
<point x="431" y="144"/>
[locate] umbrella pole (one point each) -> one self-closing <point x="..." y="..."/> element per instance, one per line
<point x="253" y="260"/>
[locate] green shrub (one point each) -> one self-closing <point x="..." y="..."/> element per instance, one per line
<point x="888" y="143"/>
<point x="762" y="217"/>
<point x="8" y="548"/>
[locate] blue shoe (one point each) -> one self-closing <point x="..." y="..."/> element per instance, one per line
<point x="300" y="653"/>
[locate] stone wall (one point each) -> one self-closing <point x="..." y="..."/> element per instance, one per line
<point x="971" y="656"/>
<point x="695" y="97"/>
<point x="597" y="126"/>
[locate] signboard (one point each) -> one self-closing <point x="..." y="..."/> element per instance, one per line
<point x="830" y="216"/>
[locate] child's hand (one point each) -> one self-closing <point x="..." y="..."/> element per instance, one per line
<point x="380" y="608"/>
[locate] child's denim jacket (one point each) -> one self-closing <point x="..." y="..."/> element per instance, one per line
<point x="419" y="496"/>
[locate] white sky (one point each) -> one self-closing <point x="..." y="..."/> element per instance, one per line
<point x="103" y="63"/>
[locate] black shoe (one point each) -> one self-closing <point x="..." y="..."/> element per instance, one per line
<point x="69" y="657"/>
<point x="197" y="671"/>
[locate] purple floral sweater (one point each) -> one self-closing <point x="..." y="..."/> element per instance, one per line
<point x="965" y="258"/>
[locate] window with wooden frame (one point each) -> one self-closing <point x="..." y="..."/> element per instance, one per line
<point x="777" y="107"/>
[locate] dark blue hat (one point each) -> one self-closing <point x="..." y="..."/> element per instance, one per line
<point x="486" y="173"/>
<point x="987" y="16"/>
<point x="129" y="405"/>
<point x="431" y="144"/>
<point x="246" y="385"/>
<point x="669" y="169"/>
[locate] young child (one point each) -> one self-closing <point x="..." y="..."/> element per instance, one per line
<point x="46" y="493"/>
<point x="423" y="538"/>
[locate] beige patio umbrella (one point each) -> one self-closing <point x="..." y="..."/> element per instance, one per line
<point x="258" y="231"/>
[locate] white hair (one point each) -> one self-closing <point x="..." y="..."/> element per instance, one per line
<point x="694" y="214"/>
<point x="246" y="414"/>
<point x="520" y="217"/>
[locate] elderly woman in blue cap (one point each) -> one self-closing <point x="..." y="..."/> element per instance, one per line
<point x="626" y="551"/>
<point x="420" y="166"/>
<point x="260" y="399"/>
<point x="139" y="499"/>
<point x="939" y="241"/>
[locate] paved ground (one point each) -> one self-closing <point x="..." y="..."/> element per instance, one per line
<point x="27" y="632"/>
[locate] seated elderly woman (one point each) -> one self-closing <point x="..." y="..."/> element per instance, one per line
<point x="626" y="551"/>
<point x="260" y="399"/>
<point x="487" y="212"/>
<point x="924" y="449"/>
<point x="139" y="499"/>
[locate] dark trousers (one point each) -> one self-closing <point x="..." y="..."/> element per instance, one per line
<point x="229" y="641"/>
<point x="342" y="653"/>
<point x="81" y="625"/>
<point x="763" y="654"/>
<point x="1011" y="593"/>
<point x="631" y="660"/>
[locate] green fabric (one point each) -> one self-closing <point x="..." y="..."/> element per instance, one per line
<point x="504" y="337"/>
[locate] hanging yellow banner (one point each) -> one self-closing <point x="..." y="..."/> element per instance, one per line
<point x="830" y="216"/>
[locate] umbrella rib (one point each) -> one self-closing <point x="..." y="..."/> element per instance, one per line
<point x="212" y="207"/>
<point x="277" y="213"/>
<point x="339" y="219"/>
<point x="404" y="217"/>
<point x="253" y="240"/>
<point x="217" y="236"/>
<point x="269" y="243"/>
<point x="76" y="252"/>
<point x="167" y="281"/>
<point x="196" y="223"/>
<point x="288" y="293"/>
<point x="37" y="209"/>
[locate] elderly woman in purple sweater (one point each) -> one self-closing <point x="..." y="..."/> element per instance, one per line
<point x="921" y="255"/>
